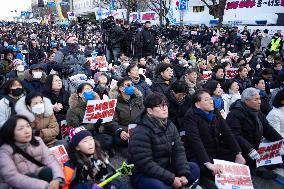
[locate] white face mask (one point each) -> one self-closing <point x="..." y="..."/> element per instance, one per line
<point x="38" y="108"/>
<point x="21" y="68"/>
<point x="37" y="75"/>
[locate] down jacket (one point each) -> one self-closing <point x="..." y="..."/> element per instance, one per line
<point x="30" y="84"/>
<point x="14" y="166"/>
<point x="157" y="151"/>
<point x="45" y="123"/>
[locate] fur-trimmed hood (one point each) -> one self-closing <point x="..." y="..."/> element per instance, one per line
<point x="28" y="76"/>
<point x="22" y="109"/>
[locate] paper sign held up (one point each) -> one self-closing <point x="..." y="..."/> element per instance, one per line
<point x="60" y="154"/>
<point x="101" y="63"/>
<point x="234" y="176"/>
<point x="207" y="75"/>
<point x="269" y="153"/>
<point x="99" y="109"/>
<point x="231" y="73"/>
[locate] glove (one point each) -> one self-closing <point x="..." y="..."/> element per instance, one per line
<point x="254" y="155"/>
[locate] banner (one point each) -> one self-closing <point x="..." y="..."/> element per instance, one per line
<point x="269" y="153"/>
<point x="99" y="109"/>
<point x="60" y="154"/>
<point x="207" y="75"/>
<point x="231" y="73"/>
<point x="234" y="176"/>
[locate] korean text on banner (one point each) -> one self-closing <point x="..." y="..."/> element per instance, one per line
<point x="269" y="153"/>
<point x="60" y="154"/>
<point x="233" y="176"/>
<point x="99" y="109"/>
<point x="207" y="75"/>
<point x="231" y="73"/>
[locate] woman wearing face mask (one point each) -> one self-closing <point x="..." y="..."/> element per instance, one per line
<point x="17" y="71"/>
<point x="129" y="106"/>
<point x="13" y="91"/>
<point x="75" y="115"/>
<point x="58" y="96"/>
<point x="34" y="78"/>
<point x="39" y="111"/>
<point x="18" y="171"/>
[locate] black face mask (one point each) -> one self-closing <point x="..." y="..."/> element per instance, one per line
<point x="17" y="91"/>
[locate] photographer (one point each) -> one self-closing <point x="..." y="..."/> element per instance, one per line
<point x="145" y="41"/>
<point x="115" y="36"/>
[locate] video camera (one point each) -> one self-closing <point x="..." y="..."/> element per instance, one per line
<point x="108" y="23"/>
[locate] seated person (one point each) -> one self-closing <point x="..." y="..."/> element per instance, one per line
<point x="164" y="79"/>
<point x="39" y="112"/>
<point x="16" y="170"/>
<point x="179" y="102"/>
<point x="129" y="106"/>
<point x="34" y="78"/>
<point x="208" y="137"/>
<point x="249" y="126"/>
<point x="156" y="150"/>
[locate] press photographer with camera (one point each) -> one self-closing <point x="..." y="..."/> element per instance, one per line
<point x="114" y="39"/>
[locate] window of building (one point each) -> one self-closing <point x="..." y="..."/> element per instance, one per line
<point x="198" y="8"/>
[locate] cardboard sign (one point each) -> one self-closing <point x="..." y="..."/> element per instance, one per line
<point x="101" y="63"/>
<point x="60" y="154"/>
<point x="207" y="75"/>
<point x="99" y="109"/>
<point x="269" y="153"/>
<point x="231" y="73"/>
<point x="234" y="176"/>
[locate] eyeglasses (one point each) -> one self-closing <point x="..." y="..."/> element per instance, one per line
<point x="207" y="99"/>
<point x="162" y="106"/>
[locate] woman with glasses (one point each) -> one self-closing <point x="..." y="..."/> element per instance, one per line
<point x="129" y="106"/>
<point x="208" y="137"/>
<point x="156" y="150"/>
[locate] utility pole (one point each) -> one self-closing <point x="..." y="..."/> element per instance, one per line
<point x="161" y="12"/>
<point x="71" y="5"/>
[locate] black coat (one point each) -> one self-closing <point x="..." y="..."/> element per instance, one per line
<point x="243" y="125"/>
<point x="160" y="85"/>
<point x="243" y="83"/>
<point x="178" y="69"/>
<point x="205" y="140"/>
<point x="157" y="151"/>
<point x="177" y="110"/>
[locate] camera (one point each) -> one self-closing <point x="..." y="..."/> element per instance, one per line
<point x="108" y="23"/>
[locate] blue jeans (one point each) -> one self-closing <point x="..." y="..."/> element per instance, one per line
<point x="140" y="181"/>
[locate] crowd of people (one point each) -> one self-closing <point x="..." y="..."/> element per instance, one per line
<point x="171" y="82"/>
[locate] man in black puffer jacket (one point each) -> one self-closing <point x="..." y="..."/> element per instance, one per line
<point x="156" y="150"/>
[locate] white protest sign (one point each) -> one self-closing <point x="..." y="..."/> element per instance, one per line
<point x="231" y="73"/>
<point x="269" y="153"/>
<point x="60" y="153"/>
<point x="101" y="63"/>
<point x="99" y="109"/>
<point x="207" y="75"/>
<point x="234" y="176"/>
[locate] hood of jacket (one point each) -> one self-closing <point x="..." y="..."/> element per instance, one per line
<point x="22" y="109"/>
<point x="238" y="105"/>
<point x="28" y="76"/>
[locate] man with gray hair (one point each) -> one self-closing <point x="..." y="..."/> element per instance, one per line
<point x="249" y="126"/>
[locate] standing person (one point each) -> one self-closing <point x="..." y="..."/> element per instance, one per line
<point x="156" y="150"/>
<point x="208" y="137"/>
<point x="276" y="44"/>
<point x="37" y="169"/>
<point x="265" y="40"/>
<point x="145" y="42"/>
<point x="13" y="91"/>
<point x="39" y="112"/>
<point x="89" y="164"/>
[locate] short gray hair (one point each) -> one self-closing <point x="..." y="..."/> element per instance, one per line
<point x="249" y="93"/>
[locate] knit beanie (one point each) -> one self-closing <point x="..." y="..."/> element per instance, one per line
<point x="78" y="134"/>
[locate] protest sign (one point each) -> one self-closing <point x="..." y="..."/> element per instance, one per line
<point x="65" y="129"/>
<point x="233" y="176"/>
<point x="269" y="153"/>
<point x="101" y="63"/>
<point x="231" y="73"/>
<point x="91" y="63"/>
<point x="207" y="75"/>
<point x="60" y="154"/>
<point x="99" y="109"/>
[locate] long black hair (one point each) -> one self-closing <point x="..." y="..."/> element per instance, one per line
<point x="7" y="131"/>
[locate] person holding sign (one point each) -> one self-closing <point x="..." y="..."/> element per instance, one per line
<point x="129" y="106"/>
<point x="249" y="126"/>
<point x="25" y="161"/>
<point x="156" y="150"/>
<point x="208" y="137"/>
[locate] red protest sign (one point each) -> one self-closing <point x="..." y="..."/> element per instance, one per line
<point x="233" y="175"/>
<point x="99" y="109"/>
<point x="101" y="63"/>
<point x="60" y="154"/>
<point x="231" y="73"/>
<point x="269" y="153"/>
<point x="207" y="75"/>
